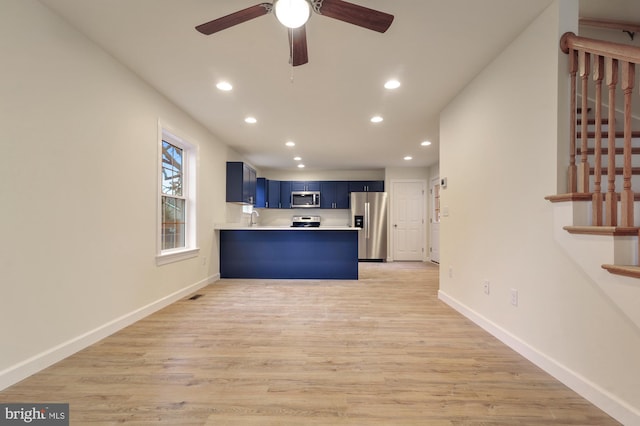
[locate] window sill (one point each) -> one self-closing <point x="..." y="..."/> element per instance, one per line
<point x="176" y="256"/>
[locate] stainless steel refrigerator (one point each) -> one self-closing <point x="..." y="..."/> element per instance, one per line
<point x="369" y="212"/>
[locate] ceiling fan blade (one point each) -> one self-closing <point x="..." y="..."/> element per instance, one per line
<point x="356" y="15"/>
<point x="298" y="46"/>
<point x="234" y="18"/>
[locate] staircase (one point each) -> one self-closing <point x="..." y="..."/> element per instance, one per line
<point x="600" y="211"/>
<point x="624" y="240"/>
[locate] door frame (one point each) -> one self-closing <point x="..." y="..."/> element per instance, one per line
<point x="425" y="210"/>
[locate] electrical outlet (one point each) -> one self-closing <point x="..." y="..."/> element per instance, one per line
<point x="485" y="286"/>
<point x="204" y="261"/>
<point x="514" y="297"/>
<point x="450" y="271"/>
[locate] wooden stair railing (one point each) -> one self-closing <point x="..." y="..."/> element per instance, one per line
<point x="612" y="63"/>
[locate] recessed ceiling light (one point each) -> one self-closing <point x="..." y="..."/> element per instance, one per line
<point x="290" y="144"/>
<point x="408" y="157"/>
<point x="297" y="158"/>
<point x="376" y="119"/>
<point x="225" y="86"/>
<point x="301" y="166"/>
<point x="426" y="143"/>
<point x="392" y="84"/>
<point x="250" y="120"/>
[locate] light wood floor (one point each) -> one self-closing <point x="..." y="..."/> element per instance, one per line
<point x="379" y="351"/>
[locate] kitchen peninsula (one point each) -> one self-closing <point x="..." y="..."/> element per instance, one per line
<point x="278" y="252"/>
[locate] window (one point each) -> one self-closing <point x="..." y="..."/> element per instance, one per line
<point x="177" y="204"/>
<point x="174" y="219"/>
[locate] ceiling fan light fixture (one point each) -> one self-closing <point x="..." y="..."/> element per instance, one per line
<point x="292" y="13"/>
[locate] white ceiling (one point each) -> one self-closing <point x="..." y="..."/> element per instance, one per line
<point x="434" y="47"/>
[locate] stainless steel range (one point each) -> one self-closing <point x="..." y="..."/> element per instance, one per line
<point x="305" y="221"/>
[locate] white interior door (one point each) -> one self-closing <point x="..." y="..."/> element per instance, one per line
<point x="407" y="227"/>
<point x="434" y="221"/>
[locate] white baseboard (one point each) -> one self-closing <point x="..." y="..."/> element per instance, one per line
<point x="601" y="398"/>
<point x="26" y="368"/>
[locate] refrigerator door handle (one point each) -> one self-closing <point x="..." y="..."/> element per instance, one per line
<point x="366" y="221"/>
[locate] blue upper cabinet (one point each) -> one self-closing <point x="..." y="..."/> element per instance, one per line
<point x="273" y="194"/>
<point x="298" y="185"/>
<point x="276" y="194"/>
<point x="334" y="195"/>
<point x="241" y="183"/>
<point x="261" y="193"/>
<point x="268" y="193"/>
<point x="366" y="186"/>
<point x="342" y="195"/>
<point x="285" y="194"/>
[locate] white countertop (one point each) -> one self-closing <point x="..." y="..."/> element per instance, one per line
<point x="241" y="227"/>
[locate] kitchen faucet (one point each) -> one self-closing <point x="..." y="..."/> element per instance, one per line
<point x="251" y="219"/>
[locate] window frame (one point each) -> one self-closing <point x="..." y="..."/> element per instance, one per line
<point x="189" y="164"/>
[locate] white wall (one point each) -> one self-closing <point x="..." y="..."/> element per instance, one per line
<point x="78" y="185"/>
<point x="499" y="154"/>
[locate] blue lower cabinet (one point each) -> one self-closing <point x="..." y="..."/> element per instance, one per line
<point x="289" y="254"/>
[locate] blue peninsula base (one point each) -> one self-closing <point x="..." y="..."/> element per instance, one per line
<point x="289" y="254"/>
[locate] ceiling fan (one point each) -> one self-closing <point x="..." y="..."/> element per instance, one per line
<point x="337" y="9"/>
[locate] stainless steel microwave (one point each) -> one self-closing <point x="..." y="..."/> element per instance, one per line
<point x="305" y="199"/>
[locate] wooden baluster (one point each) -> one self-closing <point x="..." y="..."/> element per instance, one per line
<point x="611" y="199"/>
<point x="572" y="183"/>
<point x="584" y="60"/>
<point x="628" y="74"/>
<point x="597" y="199"/>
